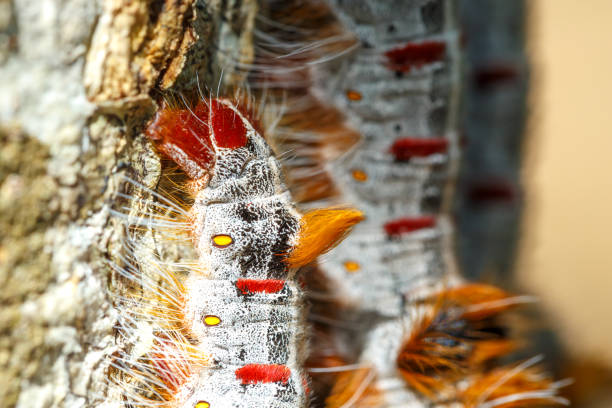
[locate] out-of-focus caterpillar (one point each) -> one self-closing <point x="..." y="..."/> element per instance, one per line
<point x="386" y="140"/>
<point x="230" y="332"/>
<point x="489" y="197"/>
<point x="226" y="330"/>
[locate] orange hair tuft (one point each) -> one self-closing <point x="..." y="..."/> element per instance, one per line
<point x="512" y="387"/>
<point x="460" y="334"/>
<point x="320" y="231"/>
<point x="354" y="388"/>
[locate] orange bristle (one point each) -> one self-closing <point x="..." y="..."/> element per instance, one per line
<point x="354" y="389"/>
<point x="509" y="387"/>
<point x="326" y="140"/>
<point x="289" y="79"/>
<point x="320" y="231"/>
<point x="479" y="300"/>
<point x="459" y="335"/>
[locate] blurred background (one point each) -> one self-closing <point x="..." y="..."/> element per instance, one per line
<point x="565" y="254"/>
<point x="535" y="186"/>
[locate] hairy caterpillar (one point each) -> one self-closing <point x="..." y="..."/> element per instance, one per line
<point x="489" y="196"/>
<point x="228" y="330"/>
<point x="394" y="281"/>
<point x="387" y="142"/>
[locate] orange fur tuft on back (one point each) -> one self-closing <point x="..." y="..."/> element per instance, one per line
<point x="512" y="387"/>
<point x="461" y="333"/>
<point x="320" y="231"/>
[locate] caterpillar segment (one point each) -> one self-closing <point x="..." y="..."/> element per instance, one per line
<point x="393" y="315"/>
<point x="230" y="331"/>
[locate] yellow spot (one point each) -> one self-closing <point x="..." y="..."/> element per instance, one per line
<point x="360" y="175"/>
<point x="202" y="404"/>
<point x="353" y="95"/>
<point x="222" y="241"/>
<point x="211" y="320"/>
<point x="352" y="266"/>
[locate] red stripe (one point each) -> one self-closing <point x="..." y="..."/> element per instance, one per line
<point x="406" y="148"/>
<point x="495" y="74"/>
<point x="487" y="191"/>
<point x="406" y="225"/>
<point x="403" y="59"/>
<point x="247" y="286"/>
<point x="263" y="373"/>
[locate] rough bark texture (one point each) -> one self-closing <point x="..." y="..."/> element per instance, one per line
<point x="78" y="80"/>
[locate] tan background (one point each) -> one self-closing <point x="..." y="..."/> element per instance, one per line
<point x="566" y="249"/>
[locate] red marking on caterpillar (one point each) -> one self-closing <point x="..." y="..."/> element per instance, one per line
<point x="248" y="286"/>
<point x="184" y="137"/>
<point x="405" y="225"/>
<point x="411" y="55"/>
<point x="494" y="74"/>
<point x="228" y="127"/>
<point x="263" y="373"/>
<point x="490" y="191"/>
<point x="406" y="148"/>
<point x="189" y="136"/>
<point x="306" y="385"/>
<point x="452" y="327"/>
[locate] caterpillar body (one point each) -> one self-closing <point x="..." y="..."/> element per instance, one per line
<point x="397" y="305"/>
<point x="231" y="332"/>
<point x="489" y="196"/>
<point x="372" y="120"/>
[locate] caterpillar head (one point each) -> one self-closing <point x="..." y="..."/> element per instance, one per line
<point x="244" y="223"/>
<point x="200" y="140"/>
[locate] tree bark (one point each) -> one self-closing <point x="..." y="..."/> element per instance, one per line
<point x="78" y="80"/>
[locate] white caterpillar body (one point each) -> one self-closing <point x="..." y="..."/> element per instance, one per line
<point x="421" y="103"/>
<point x="242" y="199"/>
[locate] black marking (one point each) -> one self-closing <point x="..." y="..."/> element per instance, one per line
<point x="248" y="215"/>
<point x="433" y="16"/>
<point x="286" y="392"/>
<point x="278" y="342"/>
<point x="437" y="120"/>
<point x="286" y="226"/>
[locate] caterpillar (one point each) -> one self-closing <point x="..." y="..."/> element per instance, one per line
<point x="230" y="331"/>
<point x="496" y="81"/>
<point x="387" y="142"/>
